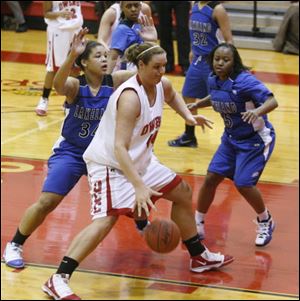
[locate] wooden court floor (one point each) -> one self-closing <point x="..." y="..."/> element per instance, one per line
<point x="122" y="267"/>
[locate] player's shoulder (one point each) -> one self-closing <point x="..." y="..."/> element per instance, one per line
<point x="245" y="80"/>
<point x="245" y="77"/>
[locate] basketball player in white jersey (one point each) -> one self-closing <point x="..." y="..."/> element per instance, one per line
<point x="110" y="20"/>
<point x="64" y="19"/>
<point x="125" y="177"/>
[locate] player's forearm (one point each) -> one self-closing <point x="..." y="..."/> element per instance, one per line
<point x="180" y="107"/>
<point x="111" y="63"/>
<point x="267" y="107"/>
<point x="62" y="74"/>
<point x="203" y="102"/>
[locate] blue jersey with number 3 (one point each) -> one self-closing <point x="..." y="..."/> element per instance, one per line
<point x="85" y="113"/>
<point x="203" y="29"/>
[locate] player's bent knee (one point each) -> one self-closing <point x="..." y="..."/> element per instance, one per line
<point x="48" y="202"/>
<point x="185" y="192"/>
<point x="243" y="188"/>
<point x="212" y="180"/>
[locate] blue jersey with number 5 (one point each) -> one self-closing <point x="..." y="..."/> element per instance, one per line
<point x="233" y="96"/>
<point x="85" y="114"/>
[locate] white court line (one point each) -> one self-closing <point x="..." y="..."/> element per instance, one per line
<point x="29" y="132"/>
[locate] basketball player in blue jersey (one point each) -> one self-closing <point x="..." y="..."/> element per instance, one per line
<point x="208" y="24"/>
<point x="133" y="28"/>
<point x="86" y="97"/>
<point x="248" y="140"/>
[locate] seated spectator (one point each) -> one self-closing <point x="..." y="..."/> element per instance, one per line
<point x="287" y="38"/>
<point x="18" y="14"/>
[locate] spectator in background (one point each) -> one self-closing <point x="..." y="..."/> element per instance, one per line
<point x="164" y="10"/>
<point x="287" y="38"/>
<point x="18" y="14"/>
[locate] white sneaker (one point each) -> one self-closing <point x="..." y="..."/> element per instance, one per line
<point x="58" y="288"/>
<point x="42" y="107"/>
<point x="208" y="260"/>
<point x="264" y="231"/>
<point x="13" y="255"/>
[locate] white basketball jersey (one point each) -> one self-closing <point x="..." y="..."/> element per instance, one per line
<point x="75" y="22"/>
<point x="101" y="149"/>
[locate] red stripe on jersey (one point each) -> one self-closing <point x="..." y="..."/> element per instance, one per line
<point x="108" y="192"/>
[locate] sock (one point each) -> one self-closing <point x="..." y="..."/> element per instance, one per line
<point x="19" y="238"/>
<point x="141" y="224"/>
<point x="67" y="266"/>
<point x="264" y="216"/>
<point x="46" y="92"/>
<point x="190" y="130"/>
<point x="194" y="246"/>
<point x="199" y="216"/>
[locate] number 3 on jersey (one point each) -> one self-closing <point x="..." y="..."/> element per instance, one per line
<point x="85" y="130"/>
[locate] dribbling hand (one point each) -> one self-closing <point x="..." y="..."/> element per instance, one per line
<point x="143" y="200"/>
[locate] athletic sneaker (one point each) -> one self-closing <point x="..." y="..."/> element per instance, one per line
<point x="208" y="260"/>
<point x="42" y="107"/>
<point x="264" y="231"/>
<point x="183" y="141"/>
<point x="58" y="288"/>
<point x="200" y="230"/>
<point x="13" y="255"/>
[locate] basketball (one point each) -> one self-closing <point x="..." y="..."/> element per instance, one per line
<point x="162" y="235"/>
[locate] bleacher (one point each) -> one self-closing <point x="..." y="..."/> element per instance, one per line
<point x="268" y="19"/>
<point x="246" y="33"/>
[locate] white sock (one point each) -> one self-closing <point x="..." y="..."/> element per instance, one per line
<point x="199" y="216"/>
<point x="264" y="215"/>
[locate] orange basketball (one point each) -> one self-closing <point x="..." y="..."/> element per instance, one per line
<point x="162" y="235"/>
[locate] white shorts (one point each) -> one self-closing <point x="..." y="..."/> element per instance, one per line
<point x="58" y="45"/>
<point x="113" y="194"/>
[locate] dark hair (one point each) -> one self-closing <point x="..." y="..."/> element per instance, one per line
<point x="122" y="15"/>
<point x="238" y="65"/>
<point x="137" y="52"/>
<point x="85" y="55"/>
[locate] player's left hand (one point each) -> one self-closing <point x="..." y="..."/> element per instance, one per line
<point x="79" y="42"/>
<point x="249" y="116"/>
<point x="200" y="120"/>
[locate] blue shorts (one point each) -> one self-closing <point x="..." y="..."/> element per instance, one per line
<point x="64" y="171"/>
<point x="243" y="161"/>
<point x="195" y="84"/>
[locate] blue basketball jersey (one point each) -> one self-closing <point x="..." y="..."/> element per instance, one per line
<point x="203" y="29"/>
<point x="66" y="165"/>
<point x="85" y="113"/>
<point x="236" y="95"/>
<point x="125" y="35"/>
